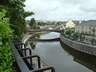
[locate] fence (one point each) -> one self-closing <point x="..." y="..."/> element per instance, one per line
<point x="24" y="62"/>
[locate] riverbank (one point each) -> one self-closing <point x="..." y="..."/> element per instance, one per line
<point x="44" y="32"/>
<point x="44" y="40"/>
<point x="28" y="36"/>
<point x="89" y="49"/>
<point x="24" y="40"/>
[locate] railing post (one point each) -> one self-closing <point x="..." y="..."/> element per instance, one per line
<point x="30" y="52"/>
<point x="28" y="57"/>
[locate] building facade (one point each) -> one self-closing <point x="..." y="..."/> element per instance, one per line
<point x="70" y="24"/>
<point x="87" y="29"/>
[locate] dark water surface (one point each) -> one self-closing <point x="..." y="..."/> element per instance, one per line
<point x="62" y="57"/>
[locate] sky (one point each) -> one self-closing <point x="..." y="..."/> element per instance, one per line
<point x="61" y="10"/>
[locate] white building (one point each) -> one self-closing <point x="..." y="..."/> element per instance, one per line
<point x="70" y="24"/>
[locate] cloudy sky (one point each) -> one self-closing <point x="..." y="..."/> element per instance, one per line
<point x="62" y="10"/>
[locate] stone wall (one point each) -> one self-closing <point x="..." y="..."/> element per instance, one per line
<point x="79" y="46"/>
<point x="26" y="37"/>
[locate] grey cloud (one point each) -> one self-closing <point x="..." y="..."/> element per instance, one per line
<point x="75" y="1"/>
<point x="86" y="5"/>
<point x="89" y="7"/>
<point x="62" y="9"/>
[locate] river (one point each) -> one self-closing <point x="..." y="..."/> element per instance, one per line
<point x="60" y="56"/>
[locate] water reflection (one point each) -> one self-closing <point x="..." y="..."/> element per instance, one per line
<point x="36" y="36"/>
<point x="33" y="38"/>
<point x="84" y="59"/>
<point x="33" y="45"/>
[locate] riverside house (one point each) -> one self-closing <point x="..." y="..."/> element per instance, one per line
<point x="87" y="29"/>
<point x="71" y="24"/>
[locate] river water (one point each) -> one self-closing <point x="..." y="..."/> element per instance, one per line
<point x="60" y="56"/>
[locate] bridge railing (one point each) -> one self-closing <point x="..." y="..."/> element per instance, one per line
<point x="51" y="30"/>
<point x="23" y="57"/>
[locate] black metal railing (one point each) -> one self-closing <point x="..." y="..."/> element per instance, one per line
<point x="25" y="50"/>
<point x="23" y="57"/>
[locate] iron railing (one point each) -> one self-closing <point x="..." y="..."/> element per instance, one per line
<point x="23" y="57"/>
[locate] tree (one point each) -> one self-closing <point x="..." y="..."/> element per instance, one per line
<point x="32" y="23"/>
<point x="17" y="15"/>
<point x="68" y="32"/>
<point x="42" y="23"/>
<point x="80" y="37"/>
<point x="76" y="36"/>
<point x="59" y="23"/>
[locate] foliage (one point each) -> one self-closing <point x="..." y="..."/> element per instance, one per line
<point x="32" y="45"/>
<point x="58" y="23"/>
<point x="47" y="65"/>
<point x="42" y="60"/>
<point x="42" y="23"/>
<point x="80" y="37"/>
<point x="93" y="41"/>
<point x="83" y="37"/>
<point x="6" y="55"/>
<point x="76" y="35"/>
<point x="32" y="23"/>
<point x="17" y="15"/>
<point x="34" y="27"/>
<point x="37" y="27"/>
<point x="68" y="32"/>
<point x="46" y="23"/>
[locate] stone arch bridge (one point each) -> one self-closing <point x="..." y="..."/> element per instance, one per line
<point x="49" y="30"/>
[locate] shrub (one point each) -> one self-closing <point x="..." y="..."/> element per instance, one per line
<point x="6" y="55"/>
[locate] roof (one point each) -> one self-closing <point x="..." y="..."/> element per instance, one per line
<point x="76" y="22"/>
<point x="90" y="23"/>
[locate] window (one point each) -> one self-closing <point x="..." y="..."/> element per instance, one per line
<point x="86" y="32"/>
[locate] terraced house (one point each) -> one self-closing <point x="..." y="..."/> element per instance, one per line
<point x="71" y="24"/>
<point x="87" y="29"/>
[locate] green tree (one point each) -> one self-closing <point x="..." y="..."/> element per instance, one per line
<point x="68" y="32"/>
<point x="37" y="27"/>
<point x="80" y="37"/>
<point x="32" y="23"/>
<point x="17" y="14"/>
<point x="59" y="23"/>
<point x="76" y="36"/>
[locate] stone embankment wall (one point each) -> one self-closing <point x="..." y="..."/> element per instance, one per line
<point x="89" y="49"/>
<point x="26" y="38"/>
